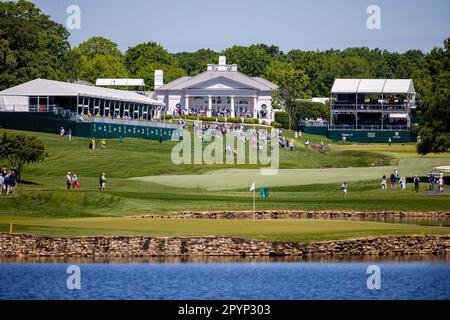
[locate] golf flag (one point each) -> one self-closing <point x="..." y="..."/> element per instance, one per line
<point x="252" y="187"/>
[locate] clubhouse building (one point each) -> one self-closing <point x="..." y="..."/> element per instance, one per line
<point x="221" y="92"/>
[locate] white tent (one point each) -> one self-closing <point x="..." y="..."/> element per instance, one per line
<point x="376" y="86"/>
<point x="47" y="88"/>
<point x="13" y="103"/>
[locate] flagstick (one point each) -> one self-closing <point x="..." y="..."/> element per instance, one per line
<point x="254" y="203"/>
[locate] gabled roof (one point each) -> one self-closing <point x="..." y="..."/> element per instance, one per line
<point x="399" y="86"/>
<point x="43" y="87"/>
<point x="236" y="76"/>
<point x="176" y="82"/>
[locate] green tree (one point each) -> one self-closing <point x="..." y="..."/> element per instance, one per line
<point x="147" y="73"/>
<point x="195" y="62"/>
<point x="251" y="60"/>
<point x="20" y="150"/>
<point x="31" y="45"/>
<point x="433" y="111"/>
<point x="293" y="85"/>
<point x="99" y="58"/>
<point x="143" y="59"/>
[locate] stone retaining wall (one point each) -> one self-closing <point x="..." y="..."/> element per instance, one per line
<point x="294" y="214"/>
<point x="22" y="245"/>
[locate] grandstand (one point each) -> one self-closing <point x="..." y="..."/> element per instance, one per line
<point x="369" y="110"/>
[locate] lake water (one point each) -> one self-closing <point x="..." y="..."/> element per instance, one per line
<point x="265" y="279"/>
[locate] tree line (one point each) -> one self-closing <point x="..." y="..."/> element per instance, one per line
<point x="33" y="46"/>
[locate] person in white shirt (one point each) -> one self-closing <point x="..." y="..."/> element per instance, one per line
<point x="2" y="181"/>
<point x="344" y="189"/>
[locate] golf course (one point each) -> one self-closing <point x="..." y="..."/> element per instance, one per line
<point x="141" y="179"/>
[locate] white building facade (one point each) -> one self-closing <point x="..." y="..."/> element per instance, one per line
<point x="221" y="92"/>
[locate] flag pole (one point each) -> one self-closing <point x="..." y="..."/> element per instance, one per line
<point x="254" y="195"/>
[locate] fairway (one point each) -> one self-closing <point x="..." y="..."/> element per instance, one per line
<point x="286" y="230"/>
<point x="236" y="178"/>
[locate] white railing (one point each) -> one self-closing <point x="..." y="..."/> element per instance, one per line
<point x="131" y="122"/>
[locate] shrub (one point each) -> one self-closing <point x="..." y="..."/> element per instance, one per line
<point x="276" y="124"/>
<point x="253" y="121"/>
<point x="207" y="119"/>
<point x="282" y="118"/>
<point x="234" y="120"/>
<point x="311" y="110"/>
<point x="167" y="116"/>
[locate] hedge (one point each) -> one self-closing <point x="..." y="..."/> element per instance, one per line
<point x="282" y="118"/>
<point x="253" y="121"/>
<point x="276" y="124"/>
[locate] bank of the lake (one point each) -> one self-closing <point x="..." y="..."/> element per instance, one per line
<point x="24" y="245"/>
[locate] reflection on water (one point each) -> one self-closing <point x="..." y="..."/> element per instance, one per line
<point x="270" y="278"/>
<point x="220" y="259"/>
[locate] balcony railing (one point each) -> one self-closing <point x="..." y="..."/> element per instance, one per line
<point x="370" y="107"/>
<point x="369" y="127"/>
<point x="132" y="122"/>
<point x="314" y="123"/>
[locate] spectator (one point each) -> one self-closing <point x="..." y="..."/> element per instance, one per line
<point x="383" y="183"/>
<point x="102" y="181"/>
<point x="344" y="189"/>
<point x="103" y="143"/>
<point x="12" y="181"/>
<point x="2" y="181"/>
<point x="441" y="184"/>
<point x="393" y="180"/>
<point x="75" y="182"/>
<point x="68" y="180"/>
<point x="416" y="183"/>
<point x="306" y="143"/>
<point x="431" y="181"/>
<point x="403" y="183"/>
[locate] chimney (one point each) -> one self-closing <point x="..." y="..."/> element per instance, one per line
<point x="159" y="79"/>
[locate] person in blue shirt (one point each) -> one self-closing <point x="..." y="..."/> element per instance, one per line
<point x="416" y="183"/>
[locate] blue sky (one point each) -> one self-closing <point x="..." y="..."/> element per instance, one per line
<point x="187" y="25"/>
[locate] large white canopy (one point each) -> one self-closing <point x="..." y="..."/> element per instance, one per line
<point x="377" y="86"/>
<point x="43" y="87"/>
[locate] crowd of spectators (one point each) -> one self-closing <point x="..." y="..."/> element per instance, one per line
<point x="8" y="180"/>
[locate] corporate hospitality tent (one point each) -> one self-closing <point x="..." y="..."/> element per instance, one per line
<point x="41" y="94"/>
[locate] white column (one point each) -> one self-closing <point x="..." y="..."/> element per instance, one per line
<point x="232" y="107"/>
<point x="186" y="105"/>
<point x="255" y="102"/>
<point x="209" y="112"/>
<point x="158" y="113"/>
